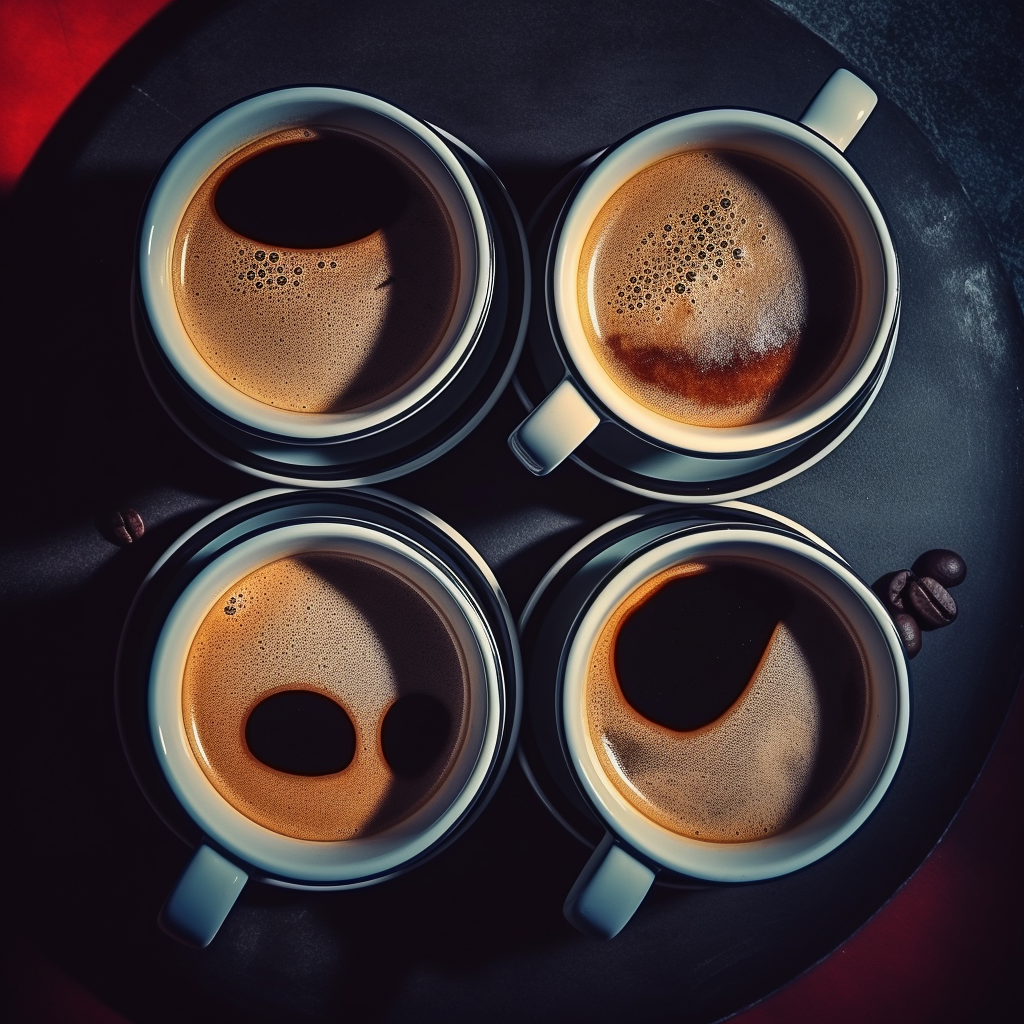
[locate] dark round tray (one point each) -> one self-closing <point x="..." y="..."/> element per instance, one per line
<point x="477" y="933"/>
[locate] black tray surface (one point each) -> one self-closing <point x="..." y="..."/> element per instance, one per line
<point x="476" y="934"/>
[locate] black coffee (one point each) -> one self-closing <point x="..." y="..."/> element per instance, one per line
<point x="726" y="699"/>
<point x="332" y="189"/>
<point x="316" y="270"/>
<point x="301" y="732"/>
<point x="684" y="656"/>
<point x="718" y="288"/>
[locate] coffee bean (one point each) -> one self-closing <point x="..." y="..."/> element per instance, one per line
<point x="929" y="602"/>
<point x="891" y="587"/>
<point x="943" y="566"/>
<point x="123" y="526"/>
<point x="910" y="633"/>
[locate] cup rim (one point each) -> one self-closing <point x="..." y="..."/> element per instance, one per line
<point x="591" y="193"/>
<point x="308" y="861"/>
<point x="224" y="133"/>
<point x="859" y="793"/>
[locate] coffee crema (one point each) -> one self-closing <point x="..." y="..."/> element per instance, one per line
<point x="331" y="627"/>
<point x="717" y="289"/>
<point x="725" y="699"/>
<point x="316" y="270"/>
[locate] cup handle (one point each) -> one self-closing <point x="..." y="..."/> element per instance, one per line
<point x="554" y="430"/>
<point x="840" y="109"/>
<point x="202" y="899"/>
<point x="608" y="891"/>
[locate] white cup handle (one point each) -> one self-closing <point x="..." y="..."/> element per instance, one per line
<point x="608" y="891"/>
<point x="554" y="430"/>
<point x="840" y="109"/>
<point x="203" y="897"/>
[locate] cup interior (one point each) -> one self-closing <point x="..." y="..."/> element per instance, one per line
<point x="256" y="118"/>
<point x="314" y="861"/>
<point x="820" y="166"/>
<point x="867" y="777"/>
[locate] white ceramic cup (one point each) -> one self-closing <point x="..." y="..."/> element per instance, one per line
<point x="236" y="847"/>
<point x="635" y="847"/>
<point x="812" y="149"/>
<point x="256" y="118"/>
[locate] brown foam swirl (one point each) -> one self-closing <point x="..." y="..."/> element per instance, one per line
<point x="692" y="291"/>
<point x="316" y="330"/>
<point x="337" y="625"/>
<point x="778" y="751"/>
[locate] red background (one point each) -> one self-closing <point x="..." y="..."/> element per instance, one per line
<point x="947" y="947"/>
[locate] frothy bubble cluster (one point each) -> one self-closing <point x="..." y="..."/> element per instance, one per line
<point x="694" y="292"/>
<point x="680" y="257"/>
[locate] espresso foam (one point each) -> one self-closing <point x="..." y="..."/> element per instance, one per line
<point x="317" y="330"/>
<point x="351" y="630"/>
<point x="773" y="757"/>
<point x="693" y="292"/>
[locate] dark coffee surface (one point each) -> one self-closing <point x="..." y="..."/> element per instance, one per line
<point x="413" y="734"/>
<point x="684" y="655"/>
<point x="300" y="732"/>
<point x="313" y="195"/>
<point x="936" y="463"/>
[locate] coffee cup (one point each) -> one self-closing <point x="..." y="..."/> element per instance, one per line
<point x="322" y="286"/>
<point x="711" y="697"/>
<point x="722" y="294"/>
<point x="316" y="691"/>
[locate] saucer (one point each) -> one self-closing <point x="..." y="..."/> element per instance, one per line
<point x="627" y="461"/>
<point x="221" y="532"/>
